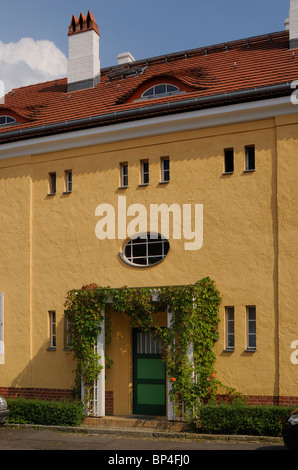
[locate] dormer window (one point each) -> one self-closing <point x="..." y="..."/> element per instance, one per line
<point x="158" y="91"/>
<point x="6" y="121"/>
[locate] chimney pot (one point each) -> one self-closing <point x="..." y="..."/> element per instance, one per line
<point x="125" y="58"/>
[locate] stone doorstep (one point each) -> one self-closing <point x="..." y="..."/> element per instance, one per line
<point x="137" y="422"/>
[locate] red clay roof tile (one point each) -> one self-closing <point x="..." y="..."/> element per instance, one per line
<point x="205" y="72"/>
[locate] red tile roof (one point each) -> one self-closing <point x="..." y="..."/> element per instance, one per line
<point x="207" y="76"/>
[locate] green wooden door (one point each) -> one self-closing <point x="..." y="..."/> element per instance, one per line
<point x="149" y="375"/>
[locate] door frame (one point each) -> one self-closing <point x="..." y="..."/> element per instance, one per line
<point x="153" y="409"/>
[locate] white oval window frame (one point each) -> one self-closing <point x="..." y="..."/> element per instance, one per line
<point x="145" y="236"/>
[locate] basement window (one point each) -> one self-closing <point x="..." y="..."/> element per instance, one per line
<point x="145" y="250"/>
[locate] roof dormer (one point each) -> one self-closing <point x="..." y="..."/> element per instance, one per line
<point x="158" y="87"/>
<point x="9" y="117"/>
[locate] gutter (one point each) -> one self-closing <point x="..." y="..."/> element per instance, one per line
<point x="147" y="111"/>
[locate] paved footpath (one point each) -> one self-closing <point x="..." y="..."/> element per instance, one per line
<point x="115" y="440"/>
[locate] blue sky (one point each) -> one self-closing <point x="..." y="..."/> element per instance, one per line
<point x="146" y="29"/>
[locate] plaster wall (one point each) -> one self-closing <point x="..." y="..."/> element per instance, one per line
<point x="48" y="245"/>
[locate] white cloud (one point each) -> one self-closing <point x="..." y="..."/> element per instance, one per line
<point x="27" y="62"/>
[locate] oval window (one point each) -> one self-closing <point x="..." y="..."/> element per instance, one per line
<point x="145" y="250"/>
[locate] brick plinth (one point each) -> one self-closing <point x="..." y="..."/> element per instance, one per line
<point x="65" y="394"/>
<point x="50" y="394"/>
<point x="109" y="403"/>
<point x="37" y="393"/>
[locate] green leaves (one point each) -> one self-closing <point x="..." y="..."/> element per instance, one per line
<point x="193" y="329"/>
<point x="85" y="313"/>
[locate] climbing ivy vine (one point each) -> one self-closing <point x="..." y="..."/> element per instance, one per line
<point x="188" y="341"/>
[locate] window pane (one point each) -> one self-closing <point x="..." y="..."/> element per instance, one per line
<point x="52" y="183"/>
<point x="156" y="248"/>
<point x="124" y="175"/>
<point x="127" y="251"/>
<point x="139" y="250"/>
<point x="68" y="181"/>
<point x="159" y="89"/>
<point x="229" y="160"/>
<point x="148" y="92"/>
<point x="166" y="164"/>
<point x="4" y="120"/>
<point x="165" y="169"/>
<point x="251" y="327"/>
<point x="52" y="316"/>
<point x="250" y="157"/>
<point x="171" y="88"/>
<point x="145" y="172"/>
<point x="146" y="251"/>
<point x="230" y="328"/>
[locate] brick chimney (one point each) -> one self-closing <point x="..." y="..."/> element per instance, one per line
<point x="83" y="59"/>
<point x="293" y="24"/>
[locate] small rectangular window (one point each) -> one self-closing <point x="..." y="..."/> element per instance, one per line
<point x="165" y="170"/>
<point x="230" y="328"/>
<point x="123" y="175"/>
<point x="229" y="160"/>
<point x="52" y="183"/>
<point x="68" y="181"/>
<point x="250" y="158"/>
<point x="52" y="325"/>
<point x="251" y="327"/>
<point x="145" y="172"/>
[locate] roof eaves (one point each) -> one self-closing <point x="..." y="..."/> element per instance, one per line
<point x="158" y="109"/>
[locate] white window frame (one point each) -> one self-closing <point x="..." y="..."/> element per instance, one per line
<point x="156" y="94"/>
<point x="52" y="183"/>
<point x="248" y="166"/>
<point x="53" y="336"/>
<point x="230" y="328"/>
<point x="8" y="121"/>
<point x="251" y="328"/>
<point x="164" y="170"/>
<point x="144" y="172"/>
<point x="123" y="175"/>
<point x="68" y="181"/>
<point x="155" y="238"/>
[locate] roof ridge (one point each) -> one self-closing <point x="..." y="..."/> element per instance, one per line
<point x="195" y="51"/>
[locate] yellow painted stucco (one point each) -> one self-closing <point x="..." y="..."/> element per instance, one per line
<point x="48" y="246"/>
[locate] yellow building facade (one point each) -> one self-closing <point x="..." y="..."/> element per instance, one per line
<point x="49" y="243"/>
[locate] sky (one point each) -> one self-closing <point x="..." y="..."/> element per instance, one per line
<point x="34" y="41"/>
